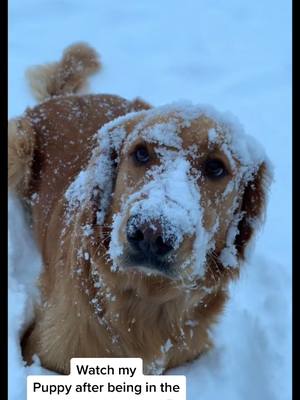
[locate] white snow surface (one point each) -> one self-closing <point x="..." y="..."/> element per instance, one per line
<point x="227" y="53"/>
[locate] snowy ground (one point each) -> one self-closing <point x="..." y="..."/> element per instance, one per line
<point x="234" y="55"/>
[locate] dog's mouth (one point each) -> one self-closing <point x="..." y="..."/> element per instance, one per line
<point x="147" y="263"/>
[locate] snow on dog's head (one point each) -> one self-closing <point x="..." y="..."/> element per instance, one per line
<point x="182" y="187"/>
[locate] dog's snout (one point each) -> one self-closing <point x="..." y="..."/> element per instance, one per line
<point x="147" y="237"/>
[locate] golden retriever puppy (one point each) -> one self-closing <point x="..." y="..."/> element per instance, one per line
<point x="142" y="216"/>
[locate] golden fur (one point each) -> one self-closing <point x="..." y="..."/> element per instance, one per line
<point x="48" y="146"/>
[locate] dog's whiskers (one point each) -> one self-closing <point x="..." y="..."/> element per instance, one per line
<point x="214" y="272"/>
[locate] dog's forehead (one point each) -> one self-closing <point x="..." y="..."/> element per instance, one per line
<point x="171" y="130"/>
<point x="200" y="132"/>
<point x="195" y="129"/>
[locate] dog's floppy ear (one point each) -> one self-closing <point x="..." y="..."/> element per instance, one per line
<point x="115" y="133"/>
<point x="21" y="143"/>
<point x="252" y="207"/>
<point x="95" y="184"/>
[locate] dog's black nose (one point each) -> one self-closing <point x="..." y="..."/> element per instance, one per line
<point x="147" y="238"/>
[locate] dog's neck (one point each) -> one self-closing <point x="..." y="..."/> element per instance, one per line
<point x="151" y="317"/>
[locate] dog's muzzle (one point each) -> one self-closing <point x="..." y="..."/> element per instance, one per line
<point x="147" y="241"/>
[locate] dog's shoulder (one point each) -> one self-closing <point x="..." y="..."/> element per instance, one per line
<point x="75" y="115"/>
<point x="61" y="132"/>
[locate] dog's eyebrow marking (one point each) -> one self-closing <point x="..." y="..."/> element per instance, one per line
<point x="163" y="133"/>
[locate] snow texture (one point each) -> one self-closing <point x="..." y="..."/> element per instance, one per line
<point x="226" y="53"/>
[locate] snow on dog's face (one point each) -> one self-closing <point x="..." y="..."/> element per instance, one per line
<point x="182" y="188"/>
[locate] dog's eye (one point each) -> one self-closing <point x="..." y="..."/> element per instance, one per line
<point x="215" y="169"/>
<point x="141" y="155"/>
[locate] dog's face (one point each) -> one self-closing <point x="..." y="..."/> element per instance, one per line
<point x="170" y="204"/>
<point x="187" y="193"/>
